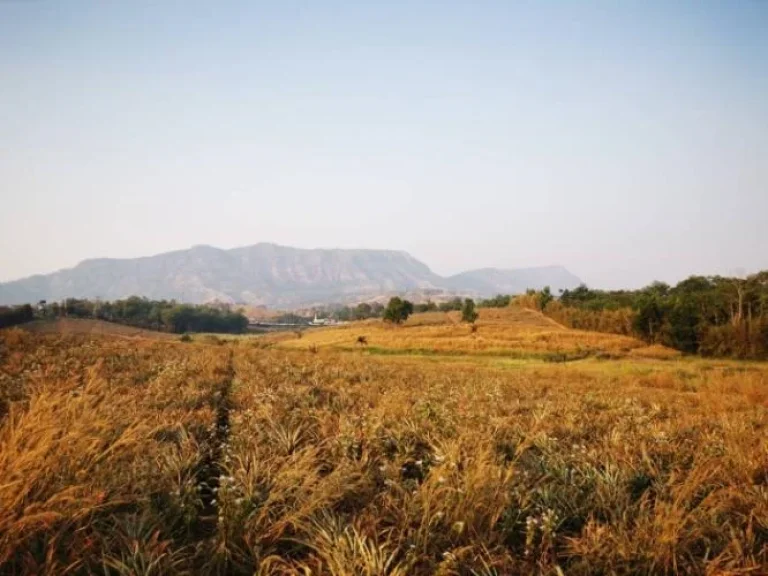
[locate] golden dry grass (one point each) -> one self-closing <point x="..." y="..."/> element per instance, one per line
<point x="279" y="455"/>
<point x="508" y="331"/>
<point x="92" y="327"/>
<point x="96" y="437"/>
<point x="656" y="352"/>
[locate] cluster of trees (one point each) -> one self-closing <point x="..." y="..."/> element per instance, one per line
<point x="376" y="310"/>
<point x="468" y="312"/>
<point x="398" y="310"/>
<point x="362" y="311"/>
<point x="13" y="315"/>
<point x="186" y="318"/>
<point x="709" y="315"/>
<point x="427" y="306"/>
<point x="498" y="301"/>
<point x="452" y="305"/>
<point x="166" y="315"/>
<point x="457" y="304"/>
<point x="291" y="318"/>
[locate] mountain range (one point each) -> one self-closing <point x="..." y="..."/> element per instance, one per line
<point x="272" y="275"/>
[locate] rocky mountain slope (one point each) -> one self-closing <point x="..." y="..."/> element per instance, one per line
<point x="272" y="275"/>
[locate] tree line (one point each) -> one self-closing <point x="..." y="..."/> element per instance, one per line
<point x="366" y="310"/>
<point x="707" y="315"/>
<point x="162" y="315"/>
<point x="398" y="310"/>
<point x="13" y="315"/>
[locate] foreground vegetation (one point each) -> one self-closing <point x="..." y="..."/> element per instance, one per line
<point x="320" y="455"/>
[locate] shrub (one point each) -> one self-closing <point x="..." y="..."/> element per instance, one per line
<point x="468" y="313"/>
<point x="398" y="310"/>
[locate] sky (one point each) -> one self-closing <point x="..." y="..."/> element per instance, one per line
<point x="627" y="141"/>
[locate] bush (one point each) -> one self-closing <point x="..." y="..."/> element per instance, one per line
<point x="498" y="301"/>
<point x="451" y="305"/>
<point x="11" y="316"/>
<point x="740" y="341"/>
<point x="398" y="310"/>
<point x="468" y="313"/>
<point x="427" y="306"/>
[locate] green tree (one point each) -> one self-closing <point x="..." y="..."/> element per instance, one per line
<point x="344" y="314"/>
<point x="362" y="311"/>
<point x="398" y="310"/>
<point x="498" y="301"/>
<point x="683" y="326"/>
<point x="468" y="313"/>
<point x="12" y="315"/>
<point x="427" y="306"/>
<point x="178" y="318"/>
<point x="545" y="297"/>
<point x="649" y="316"/>
<point x="453" y="304"/>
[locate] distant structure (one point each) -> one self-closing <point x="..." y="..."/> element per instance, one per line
<point x="324" y="321"/>
<point x="318" y="321"/>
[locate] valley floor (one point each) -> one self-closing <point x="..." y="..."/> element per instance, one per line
<point x="519" y="448"/>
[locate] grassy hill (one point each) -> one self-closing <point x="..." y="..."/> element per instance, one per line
<point x="507" y="331"/>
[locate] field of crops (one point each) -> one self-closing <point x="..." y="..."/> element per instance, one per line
<point x="311" y="455"/>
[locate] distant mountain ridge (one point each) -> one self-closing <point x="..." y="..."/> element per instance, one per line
<point x="272" y="275"/>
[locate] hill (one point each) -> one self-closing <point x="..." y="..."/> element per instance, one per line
<point x="496" y="281"/>
<point x="508" y="332"/>
<point x="271" y="275"/>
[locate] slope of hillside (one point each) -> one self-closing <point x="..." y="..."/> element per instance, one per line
<point x="268" y="274"/>
<point x="511" y="332"/>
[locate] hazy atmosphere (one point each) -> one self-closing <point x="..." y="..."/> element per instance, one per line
<point x="383" y="288"/>
<point x="625" y="144"/>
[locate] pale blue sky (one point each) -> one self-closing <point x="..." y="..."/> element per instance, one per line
<point x="627" y="141"/>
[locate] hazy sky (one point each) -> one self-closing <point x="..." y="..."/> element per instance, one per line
<point x="626" y="141"/>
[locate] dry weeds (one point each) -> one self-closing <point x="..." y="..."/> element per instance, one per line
<point x="257" y="456"/>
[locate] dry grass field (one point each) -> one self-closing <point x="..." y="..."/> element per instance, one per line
<point x="507" y="332"/>
<point x="93" y="327"/>
<point x="521" y="448"/>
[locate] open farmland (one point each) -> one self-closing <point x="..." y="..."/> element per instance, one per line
<point x="520" y="448"/>
<point x="507" y="332"/>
